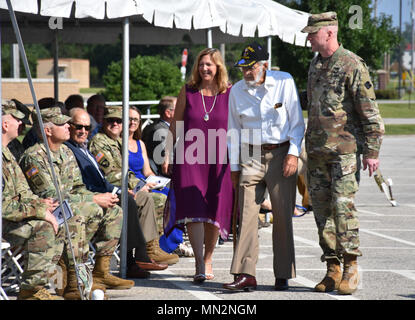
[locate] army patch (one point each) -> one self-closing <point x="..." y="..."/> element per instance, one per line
<point x="105" y="163"/>
<point x="99" y="156"/>
<point x="277" y="105"/>
<point x="32" y="172"/>
<point x="368" y="85"/>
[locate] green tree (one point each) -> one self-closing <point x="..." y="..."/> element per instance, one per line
<point x="370" y="42"/>
<point x="150" y="79"/>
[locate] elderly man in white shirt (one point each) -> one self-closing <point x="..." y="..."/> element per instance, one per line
<point x="265" y="131"/>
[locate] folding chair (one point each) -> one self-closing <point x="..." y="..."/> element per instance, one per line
<point x="11" y="267"/>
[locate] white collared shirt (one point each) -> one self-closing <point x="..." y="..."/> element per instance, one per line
<point x="273" y="109"/>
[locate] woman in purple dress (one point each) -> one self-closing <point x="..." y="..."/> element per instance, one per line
<point x="202" y="187"/>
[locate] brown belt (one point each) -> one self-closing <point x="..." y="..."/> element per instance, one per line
<point x="270" y="146"/>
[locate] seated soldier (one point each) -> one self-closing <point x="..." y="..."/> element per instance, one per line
<point x="96" y="182"/>
<point x="102" y="215"/>
<point x="28" y="221"/>
<point x="106" y="146"/>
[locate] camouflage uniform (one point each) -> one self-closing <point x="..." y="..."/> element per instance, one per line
<point x="102" y="224"/>
<point x="341" y="111"/>
<point x="108" y="153"/>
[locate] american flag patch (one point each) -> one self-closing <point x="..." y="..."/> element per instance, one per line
<point x="32" y="172"/>
<point x="99" y="156"/>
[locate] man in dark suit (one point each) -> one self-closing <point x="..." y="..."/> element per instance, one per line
<point x="155" y="135"/>
<point x="138" y="266"/>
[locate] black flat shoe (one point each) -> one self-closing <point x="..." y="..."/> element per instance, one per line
<point x="281" y="284"/>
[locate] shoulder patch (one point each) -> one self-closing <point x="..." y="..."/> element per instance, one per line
<point x="99" y="156"/>
<point x="32" y="172"/>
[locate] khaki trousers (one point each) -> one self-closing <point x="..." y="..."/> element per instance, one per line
<point x="146" y="215"/>
<point x="257" y="175"/>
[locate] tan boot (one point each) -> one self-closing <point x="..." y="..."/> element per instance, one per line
<point x="155" y="253"/>
<point x="332" y="279"/>
<point x="102" y="275"/>
<point x="71" y="291"/>
<point x="61" y="263"/>
<point x="350" y="279"/>
<point x="37" y="294"/>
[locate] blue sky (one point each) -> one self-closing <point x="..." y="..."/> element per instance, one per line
<point x="391" y="7"/>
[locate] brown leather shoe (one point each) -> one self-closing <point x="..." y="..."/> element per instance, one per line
<point x="243" y="282"/>
<point x="135" y="272"/>
<point x="151" y="266"/>
<point x="281" y="284"/>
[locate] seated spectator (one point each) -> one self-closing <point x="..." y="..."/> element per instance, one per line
<point x="27" y="219"/>
<point x="73" y="101"/>
<point x="138" y="266"/>
<point x="96" y="108"/>
<point x="106" y="146"/>
<point x="156" y="133"/>
<point x="103" y="217"/>
<point x="15" y="146"/>
<point x="31" y="138"/>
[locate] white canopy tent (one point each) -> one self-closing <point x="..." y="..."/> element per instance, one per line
<point x="90" y="21"/>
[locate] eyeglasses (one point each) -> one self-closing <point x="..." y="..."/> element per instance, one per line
<point x="134" y="120"/>
<point x="80" y="126"/>
<point x="112" y="120"/>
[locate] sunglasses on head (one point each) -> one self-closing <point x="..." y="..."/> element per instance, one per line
<point x="80" y="126"/>
<point x="112" y="120"/>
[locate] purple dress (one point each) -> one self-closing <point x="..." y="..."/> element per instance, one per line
<point x="202" y="188"/>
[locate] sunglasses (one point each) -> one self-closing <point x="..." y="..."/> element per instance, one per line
<point x="80" y="126"/>
<point x="112" y="120"/>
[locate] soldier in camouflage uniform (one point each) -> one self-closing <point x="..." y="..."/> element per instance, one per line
<point x="341" y="110"/>
<point x="103" y="218"/>
<point x="28" y="221"/>
<point x="106" y="146"/>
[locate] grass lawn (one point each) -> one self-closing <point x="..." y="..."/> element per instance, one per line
<point x="403" y="110"/>
<point x="399" y="129"/>
<point x="392" y="110"/>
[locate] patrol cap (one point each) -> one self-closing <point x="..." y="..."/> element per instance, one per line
<point x="53" y="115"/>
<point x="113" y="112"/>
<point x="252" y="54"/>
<point x="319" y="20"/>
<point x="25" y="110"/>
<point x="9" y="107"/>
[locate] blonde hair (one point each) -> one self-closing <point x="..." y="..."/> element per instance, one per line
<point x="221" y="76"/>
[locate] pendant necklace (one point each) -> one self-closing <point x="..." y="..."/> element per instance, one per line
<point x="206" y="117"/>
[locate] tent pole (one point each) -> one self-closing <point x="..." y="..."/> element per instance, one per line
<point x="2" y="293"/>
<point x="209" y="43"/>
<point x="269" y="45"/>
<point x="125" y="121"/>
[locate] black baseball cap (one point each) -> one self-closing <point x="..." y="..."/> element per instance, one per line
<point x="252" y="53"/>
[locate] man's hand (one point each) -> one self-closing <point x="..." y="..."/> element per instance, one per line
<point x="106" y="200"/>
<point x="290" y="165"/>
<point x="235" y="179"/>
<point x="51" y="203"/>
<point x="52" y="220"/>
<point x="372" y="164"/>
